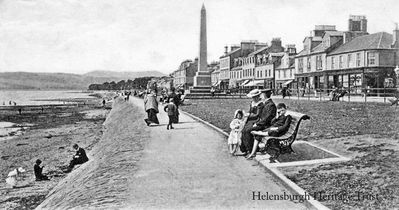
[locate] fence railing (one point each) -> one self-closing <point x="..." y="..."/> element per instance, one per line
<point x="321" y="94"/>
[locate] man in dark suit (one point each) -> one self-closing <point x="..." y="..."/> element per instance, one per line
<point x="279" y="126"/>
<point x="267" y="113"/>
<point x="79" y="158"/>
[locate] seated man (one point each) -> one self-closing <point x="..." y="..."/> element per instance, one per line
<point x="79" y="158"/>
<point x="38" y="171"/>
<point x="279" y="126"/>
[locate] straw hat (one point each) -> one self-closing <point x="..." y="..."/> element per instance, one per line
<point x="253" y="93"/>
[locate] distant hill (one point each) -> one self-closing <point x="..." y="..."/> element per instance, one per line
<point x="124" y="75"/>
<point x="63" y="81"/>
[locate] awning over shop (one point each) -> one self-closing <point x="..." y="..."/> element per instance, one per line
<point x="254" y="83"/>
<point x="287" y="83"/>
<point x="244" y="83"/>
<point x="216" y="83"/>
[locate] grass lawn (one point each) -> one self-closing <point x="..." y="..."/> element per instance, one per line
<point x="368" y="133"/>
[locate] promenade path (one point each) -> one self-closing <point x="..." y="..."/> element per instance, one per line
<point x="189" y="167"/>
<point x="134" y="166"/>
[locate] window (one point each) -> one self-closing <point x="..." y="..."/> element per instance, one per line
<point x="279" y="76"/>
<point x="349" y="60"/>
<point x="371" y="58"/>
<point x="290" y="72"/>
<point x="284" y="73"/>
<point x="308" y="64"/>
<point x="261" y="74"/>
<point x="357" y="59"/>
<point x="319" y="63"/>
<point x="341" y="60"/>
<point x="270" y="73"/>
<point x="332" y="62"/>
<point x="300" y="65"/>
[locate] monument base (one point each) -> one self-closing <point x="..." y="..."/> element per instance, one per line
<point x="202" y="79"/>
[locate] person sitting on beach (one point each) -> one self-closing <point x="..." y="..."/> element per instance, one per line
<point x="236" y="126"/>
<point x="279" y="127"/>
<point x="79" y="158"/>
<point x="171" y="109"/>
<point x="38" y="171"/>
<point x="15" y="176"/>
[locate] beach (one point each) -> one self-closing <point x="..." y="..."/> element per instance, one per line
<point x="47" y="134"/>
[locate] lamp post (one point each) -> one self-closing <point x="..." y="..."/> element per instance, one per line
<point x="397" y="77"/>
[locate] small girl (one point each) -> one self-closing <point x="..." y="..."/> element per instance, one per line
<point x="236" y="126"/>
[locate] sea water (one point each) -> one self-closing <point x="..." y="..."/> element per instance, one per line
<point x="29" y="97"/>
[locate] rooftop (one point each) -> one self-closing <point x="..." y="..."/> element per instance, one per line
<point x="381" y="40"/>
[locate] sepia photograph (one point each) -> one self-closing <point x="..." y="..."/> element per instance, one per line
<point x="199" y="104"/>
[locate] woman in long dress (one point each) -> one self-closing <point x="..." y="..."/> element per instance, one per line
<point x="151" y="107"/>
<point x="255" y="109"/>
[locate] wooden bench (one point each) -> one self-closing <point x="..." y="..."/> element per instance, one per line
<point x="282" y="144"/>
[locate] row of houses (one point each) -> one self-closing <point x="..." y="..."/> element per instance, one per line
<point x="351" y="59"/>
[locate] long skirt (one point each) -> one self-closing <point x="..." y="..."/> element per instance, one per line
<point x="152" y="116"/>
<point x="247" y="138"/>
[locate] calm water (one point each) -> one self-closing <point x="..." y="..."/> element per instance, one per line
<point x="24" y="97"/>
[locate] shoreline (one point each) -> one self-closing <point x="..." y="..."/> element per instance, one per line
<point x="49" y="139"/>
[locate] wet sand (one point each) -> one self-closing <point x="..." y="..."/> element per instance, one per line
<point x="49" y="139"/>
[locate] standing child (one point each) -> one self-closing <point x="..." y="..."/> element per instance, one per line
<point x="236" y="126"/>
<point x="171" y="109"/>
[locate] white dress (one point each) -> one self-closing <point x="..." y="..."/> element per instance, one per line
<point x="235" y="134"/>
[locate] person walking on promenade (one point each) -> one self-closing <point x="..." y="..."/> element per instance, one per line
<point x="255" y="110"/>
<point x="171" y="109"/>
<point x="176" y="101"/>
<point x="236" y="126"/>
<point x="151" y="107"/>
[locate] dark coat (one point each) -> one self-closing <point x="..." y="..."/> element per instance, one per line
<point x="171" y="109"/>
<point x="268" y="113"/>
<point x="282" y="123"/>
<point x="255" y="111"/>
<point x="81" y="156"/>
<point x="38" y="171"/>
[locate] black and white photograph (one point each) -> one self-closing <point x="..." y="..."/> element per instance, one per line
<point x="199" y="104"/>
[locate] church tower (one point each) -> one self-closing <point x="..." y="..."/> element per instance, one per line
<point x="202" y="77"/>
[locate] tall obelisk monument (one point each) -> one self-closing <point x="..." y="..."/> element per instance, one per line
<point x="202" y="77"/>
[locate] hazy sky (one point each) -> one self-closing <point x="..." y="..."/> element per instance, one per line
<point x="77" y="36"/>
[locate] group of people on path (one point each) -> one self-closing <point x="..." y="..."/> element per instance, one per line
<point x="172" y="101"/>
<point x="263" y="115"/>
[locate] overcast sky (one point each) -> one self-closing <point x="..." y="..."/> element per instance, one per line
<point x="77" y="36"/>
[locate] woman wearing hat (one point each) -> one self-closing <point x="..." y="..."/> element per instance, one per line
<point x="151" y="107"/>
<point x="255" y="109"/>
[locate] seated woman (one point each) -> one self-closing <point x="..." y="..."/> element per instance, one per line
<point x="38" y="169"/>
<point x="255" y="110"/>
<point x="279" y="126"/>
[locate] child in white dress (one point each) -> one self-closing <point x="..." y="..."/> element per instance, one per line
<point x="236" y="126"/>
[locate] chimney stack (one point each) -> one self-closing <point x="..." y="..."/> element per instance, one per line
<point x="226" y="50"/>
<point x="395" y="42"/>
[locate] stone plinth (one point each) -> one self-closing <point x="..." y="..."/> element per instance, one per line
<point x="202" y="79"/>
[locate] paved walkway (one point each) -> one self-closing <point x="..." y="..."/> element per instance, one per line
<point x="189" y="167"/>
